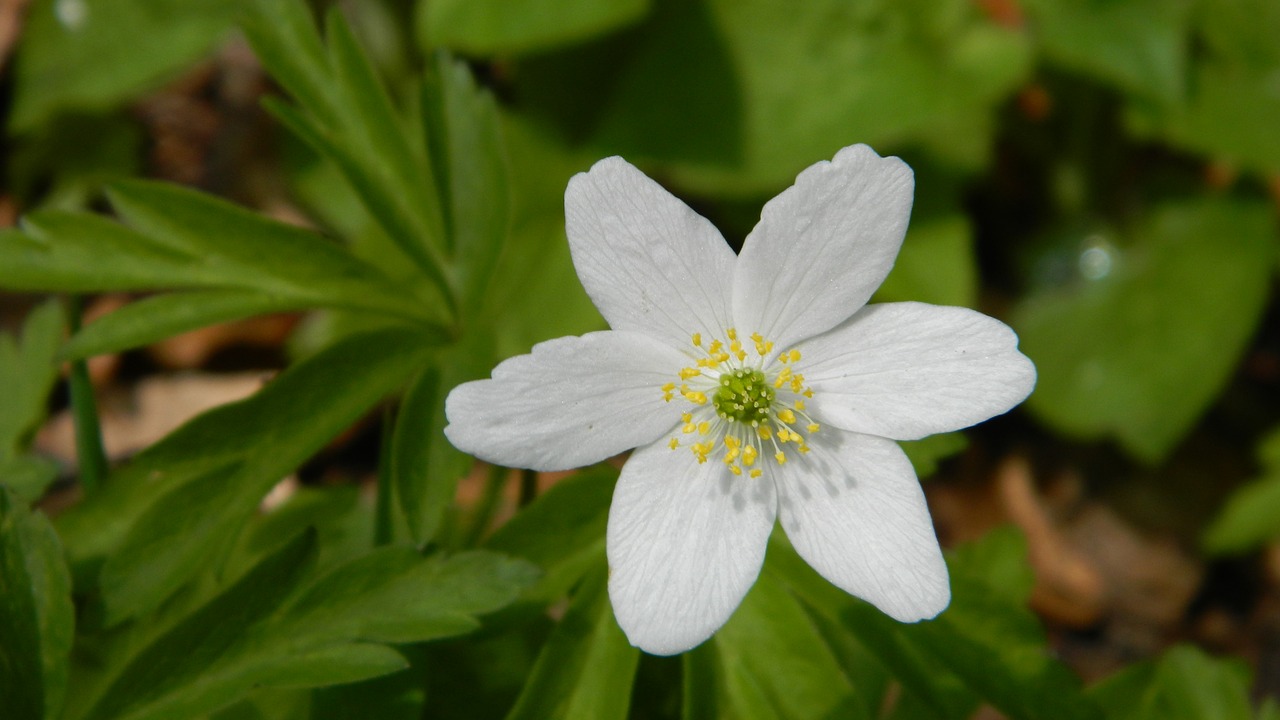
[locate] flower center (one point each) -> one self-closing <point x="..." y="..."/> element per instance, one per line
<point x="743" y="396"/>
<point x="750" y="408"/>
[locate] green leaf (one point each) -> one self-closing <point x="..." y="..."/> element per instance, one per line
<point x="925" y="454"/>
<point x="36" y="614"/>
<point x="333" y="665"/>
<point x="27" y="372"/>
<point x="246" y="447"/>
<point x="987" y="644"/>
<point x="770" y="662"/>
<point x="28" y="475"/>
<point x="1153" y="338"/>
<point x="205" y="660"/>
<point x="562" y="531"/>
<point x="936" y="265"/>
<point x="77" y="252"/>
<point x="1183" y="684"/>
<point x="72" y="58"/>
<point x="487" y="27"/>
<point x="467" y="146"/>
<point x="393" y="595"/>
<point x="280" y="625"/>
<point x="1138" y="45"/>
<point x="423" y="491"/>
<point x="586" y="668"/>
<point x="922" y="676"/>
<point x="155" y="318"/>
<point x="261" y="253"/>
<point x="1251" y="515"/>
<point x="426" y="467"/>
<point x="749" y="72"/>
<point x="347" y="116"/>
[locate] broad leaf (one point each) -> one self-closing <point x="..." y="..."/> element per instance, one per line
<point x="484" y="27"/>
<point x="1251" y="515"/>
<point x="1139" y="351"/>
<point x="1183" y="684"/>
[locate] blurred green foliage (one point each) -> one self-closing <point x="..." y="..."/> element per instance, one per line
<point x="1102" y="173"/>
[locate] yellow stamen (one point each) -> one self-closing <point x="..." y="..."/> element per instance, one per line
<point x="756" y="473"/>
<point x="673" y="444"/>
<point x="686" y="373"/>
<point x="781" y="457"/>
<point x="787" y="416"/>
<point x="749" y="454"/>
<point x="697" y="339"/>
<point x="813" y="427"/>
<point x="704" y="427"/>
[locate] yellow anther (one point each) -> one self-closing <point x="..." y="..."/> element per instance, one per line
<point x="673" y="444"/>
<point x="749" y="455"/>
<point x="732" y="333"/>
<point x="813" y="427"/>
<point x="807" y="393"/>
<point x="800" y="405"/>
<point x="782" y="378"/>
<point x="695" y="397"/>
<point x="732" y="443"/>
<point x="721" y="357"/>
<point x="705" y="362"/>
<point x="781" y="457"/>
<point x="688" y="428"/>
<point x="735" y="347"/>
<point x="795" y="355"/>
<point x="804" y="449"/>
<point x="716" y="346"/>
<point x="697" y="339"/>
<point x="756" y="473"/>
<point x="730" y="456"/>
<point x="757" y="337"/>
<point x="764" y="432"/>
<point x="686" y="373"/>
<point x="787" y="416"/>
<point x="735" y="469"/>
<point x="742" y="355"/>
<point x="704" y="428"/>
<point x="686" y="417"/>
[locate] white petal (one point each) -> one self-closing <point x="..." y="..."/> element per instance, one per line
<point x="822" y="246"/>
<point x="571" y="402"/>
<point x="854" y="511"/>
<point x="649" y="263"/>
<point x="907" y="370"/>
<point x="685" y="543"/>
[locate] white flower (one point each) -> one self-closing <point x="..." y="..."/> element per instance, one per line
<point x="756" y="387"/>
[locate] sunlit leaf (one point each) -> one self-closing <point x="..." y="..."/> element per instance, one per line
<point x="1140" y="351"/>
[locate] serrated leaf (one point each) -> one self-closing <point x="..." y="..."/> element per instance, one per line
<point x="27" y="372"/>
<point x="1154" y="339"/>
<point x="347" y="116"/>
<point x="562" y="531"/>
<point x="205" y="660"/>
<point x="586" y="668"/>
<point x="486" y="27"/>
<point x="155" y="318"/>
<point x="268" y="435"/>
<point x="468" y="150"/>
<point x="77" y="252"/>
<point x="36" y="614"/>
<point x="267" y="255"/>
<point x="393" y="595"/>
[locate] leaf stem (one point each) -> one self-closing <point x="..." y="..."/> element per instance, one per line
<point x="90" y="455"/>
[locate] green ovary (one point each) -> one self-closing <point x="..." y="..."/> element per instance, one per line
<point x="744" y="395"/>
